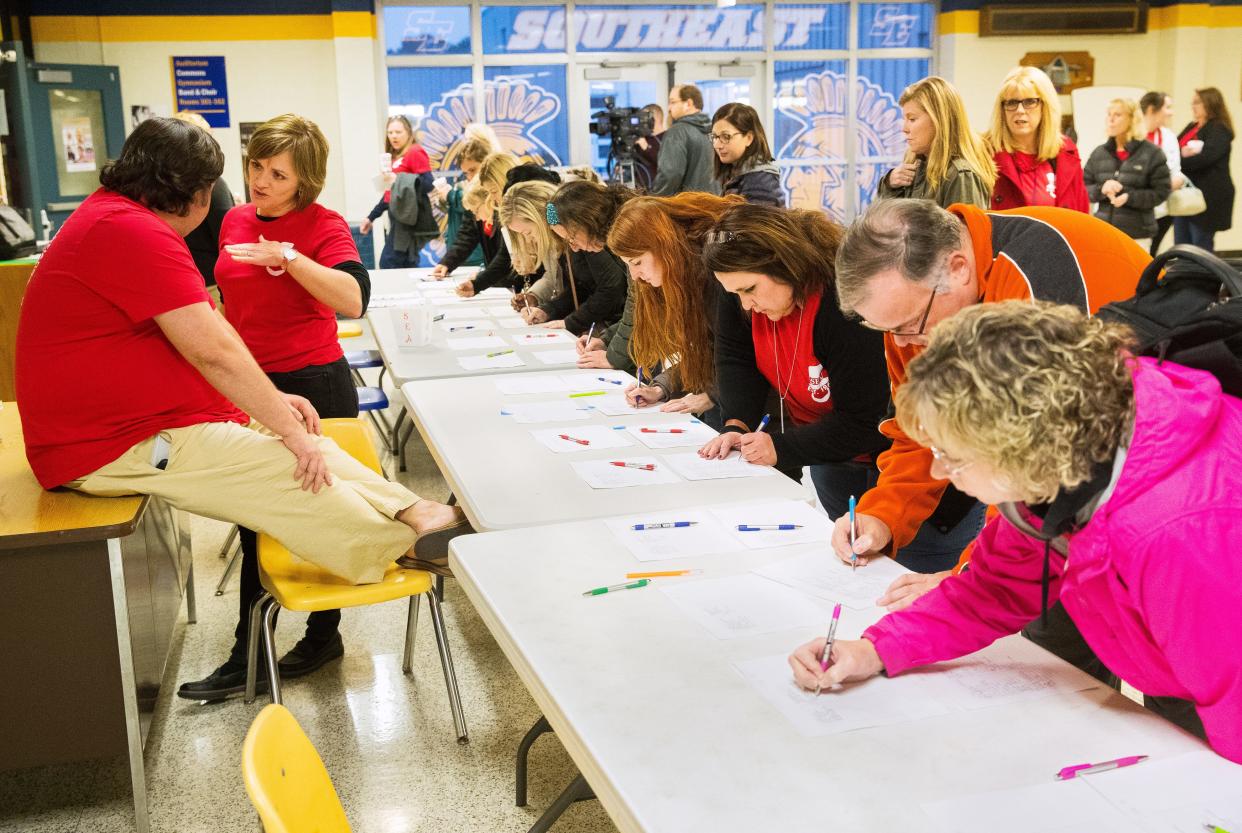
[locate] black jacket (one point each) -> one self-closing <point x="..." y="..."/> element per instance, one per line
<point x="853" y="358"/>
<point x="1209" y="171"/>
<point x="204" y="241"/>
<point x="600" y="280"/>
<point x="470" y="235"/>
<point x="760" y="185"/>
<point x="1144" y="175"/>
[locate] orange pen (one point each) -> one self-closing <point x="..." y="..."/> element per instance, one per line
<point x="664" y="574"/>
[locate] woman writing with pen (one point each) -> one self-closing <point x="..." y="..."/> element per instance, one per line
<point x="779" y="330"/>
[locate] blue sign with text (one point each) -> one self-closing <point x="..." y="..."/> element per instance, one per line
<point x="200" y="86"/>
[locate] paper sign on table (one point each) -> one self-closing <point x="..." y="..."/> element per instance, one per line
<point x="704" y="537"/>
<point x="746" y="605"/>
<point x="487" y="362"/>
<point x="539" y="337"/>
<point x="527" y="412"/>
<point x="567" y="356"/>
<point x="474" y="342"/>
<point x="601" y="474"/>
<point x="689" y="432"/>
<point x="527" y="383"/>
<point x="693" y="467"/>
<point x="594" y="437"/>
<point x="825" y="576"/>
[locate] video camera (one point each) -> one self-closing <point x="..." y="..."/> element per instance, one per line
<point x="625" y="125"/>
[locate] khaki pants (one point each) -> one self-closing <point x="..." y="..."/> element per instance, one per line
<point x="244" y="475"/>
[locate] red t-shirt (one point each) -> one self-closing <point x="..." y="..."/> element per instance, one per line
<point x="1036" y="178"/>
<point x="282" y="324"/>
<point x="1188" y="136"/>
<point x="414" y="161"/>
<point x="785" y="355"/>
<point x="95" y="374"/>
<point x="1122" y="154"/>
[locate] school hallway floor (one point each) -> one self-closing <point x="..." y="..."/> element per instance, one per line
<point x="387" y="740"/>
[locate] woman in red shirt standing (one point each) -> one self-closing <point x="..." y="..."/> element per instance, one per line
<point x="407" y="157"/>
<point x="1035" y="163"/>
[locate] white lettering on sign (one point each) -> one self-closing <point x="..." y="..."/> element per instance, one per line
<point x="600" y="30"/>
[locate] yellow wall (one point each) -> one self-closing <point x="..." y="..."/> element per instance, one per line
<point x="1186" y="47"/>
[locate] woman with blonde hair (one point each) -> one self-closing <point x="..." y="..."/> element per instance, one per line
<point x="661" y="240"/>
<point x="589" y="287"/>
<point x="1035" y="163"/>
<point x="1122" y="504"/>
<point x="946" y="162"/>
<point x="485" y="192"/>
<point x="1127" y="176"/>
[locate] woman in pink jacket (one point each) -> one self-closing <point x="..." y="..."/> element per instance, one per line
<point x="1138" y="463"/>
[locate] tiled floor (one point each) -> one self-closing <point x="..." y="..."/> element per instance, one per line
<point x="386" y="739"/>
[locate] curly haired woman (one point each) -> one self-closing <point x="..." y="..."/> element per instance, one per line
<point x="1134" y="461"/>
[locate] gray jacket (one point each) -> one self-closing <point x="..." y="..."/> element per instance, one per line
<point x="685" y="162"/>
<point x="409" y="210"/>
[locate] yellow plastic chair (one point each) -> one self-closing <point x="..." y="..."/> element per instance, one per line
<point x="348" y="329"/>
<point x="285" y="778"/>
<point x="299" y="585"/>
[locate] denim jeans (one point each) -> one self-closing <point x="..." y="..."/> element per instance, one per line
<point x="392" y="259"/>
<point x="1186" y="230"/>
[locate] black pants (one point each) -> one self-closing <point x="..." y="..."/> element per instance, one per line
<point x="1060" y="636"/>
<point x="330" y="388"/>
<point x="1163" y="224"/>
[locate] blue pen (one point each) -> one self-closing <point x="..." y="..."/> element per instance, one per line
<point x="853" y="535"/>
<point x="767" y="527"/>
<point x="763" y="423"/>
<point x="667" y="525"/>
<point x="609" y="381"/>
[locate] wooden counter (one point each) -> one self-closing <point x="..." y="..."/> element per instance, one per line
<point x="14" y="275"/>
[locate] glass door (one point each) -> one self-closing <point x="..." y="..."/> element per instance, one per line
<point x="724" y="82"/>
<point x="614" y="95"/>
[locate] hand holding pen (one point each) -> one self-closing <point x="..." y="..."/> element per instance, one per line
<point x="722" y="445"/>
<point x="850" y="660"/>
<point x="825" y="658"/>
<point x="757" y="447"/>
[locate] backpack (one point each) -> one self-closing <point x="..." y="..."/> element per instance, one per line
<point x="17" y="238"/>
<point x="1192" y="315"/>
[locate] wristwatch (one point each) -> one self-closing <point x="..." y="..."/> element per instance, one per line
<point x="289" y="253"/>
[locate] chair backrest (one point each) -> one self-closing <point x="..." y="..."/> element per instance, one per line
<point x="286" y="779"/>
<point x="351" y="435"/>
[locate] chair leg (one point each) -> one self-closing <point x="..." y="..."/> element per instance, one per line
<point x="541" y="727"/>
<point x="252" y="644"/>
<point x="269" y="645"/>
<point x="446" y="663"/>
<point x="411" y="627"/>
<point x="229" y="569"/>
<point x="578" y="790"/>
<point x="229" y="541"/>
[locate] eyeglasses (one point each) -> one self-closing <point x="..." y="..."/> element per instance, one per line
<point x="952" y="467"/>
<point x="922" y="321"/>
<point x="723" y="138"/>
<point x="1011" y="104"/>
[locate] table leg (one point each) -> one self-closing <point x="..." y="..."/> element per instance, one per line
<point x="578" y="790"/>
<point x="541" y="727"/>
<point x="129" y="694"/>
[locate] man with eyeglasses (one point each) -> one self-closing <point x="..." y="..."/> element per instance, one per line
<point x="685" y="160"/>
<point x="907" y="265"/>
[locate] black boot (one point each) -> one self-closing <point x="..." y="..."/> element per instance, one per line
<point x="310" y="655"/>
<point x="228" y="679"/>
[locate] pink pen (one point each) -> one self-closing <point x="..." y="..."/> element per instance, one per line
<point x="662" y="430"/>
<point x="1090" y="769"/>
<point x="574" y="439"/>
<point x="826" y="657"/>
<point x="643" y="466"/>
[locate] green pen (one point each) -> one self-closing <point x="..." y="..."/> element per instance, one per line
<point x="612" y="588"/>
<point x="498" y="353"/>
<point x="587" y="393"/>
<point x="1213" y="828"/>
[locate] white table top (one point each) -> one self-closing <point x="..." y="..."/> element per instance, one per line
<point x="436" y="360"/>
<point x="672" y="739"/>
<point x="503" y="478"/>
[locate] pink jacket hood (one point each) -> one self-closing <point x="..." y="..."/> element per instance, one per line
<point x="1154" y="579"/>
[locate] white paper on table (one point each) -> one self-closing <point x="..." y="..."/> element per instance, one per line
<point x="464" y="326"/>
<point x="527" y="383"/>
<point x="539" y="337"/>
<point x="527" y="412"/>
<point x="746" y="605"/>
<point x="494" y="292"/>
<point x="597" y="437"/>
<point x="995" y="676"/>
<point x="693" y="467"/>
<point x="568" y="356"/>
<point x="601" y="474"/>
<point x="706" y="537"/>
<point x="509" y="359"/>
<point x="875" y="702"/>
<point x="393" y="300"/>
<point x="474" y="342"/>
<point x="1180" y="793"/>
<point x="1054" y="807"/>
<point x="823" y="575"/>
<point x="593" y="379"/>
<point x="497" y="311"/>
<point x="511" y="323"/>
<point x="694" y="433"/>
<point x="459" y="314"/>
<point x="615" y="405"/>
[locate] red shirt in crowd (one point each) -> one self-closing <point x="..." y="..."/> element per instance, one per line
<point x="95" y="374"/>
<point x="414" y="161"/>
<point x="785" y="355"/>
<point x="282" y="324"/>
<point x="1036" y="179"/>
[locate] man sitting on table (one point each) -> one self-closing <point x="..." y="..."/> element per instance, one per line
<point x="127" y="379"/>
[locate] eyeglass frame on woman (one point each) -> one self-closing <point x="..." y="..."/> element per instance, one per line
<point x="724" y="138"/>
<point x="936" y="290"/>
<point x="952" y="467"/>
<point x="1011" y="105"/>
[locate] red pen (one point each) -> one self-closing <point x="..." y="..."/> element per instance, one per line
<point x="643" y="466"/>
<point x="662" y="430"/>
<point x="574" y="439"/>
